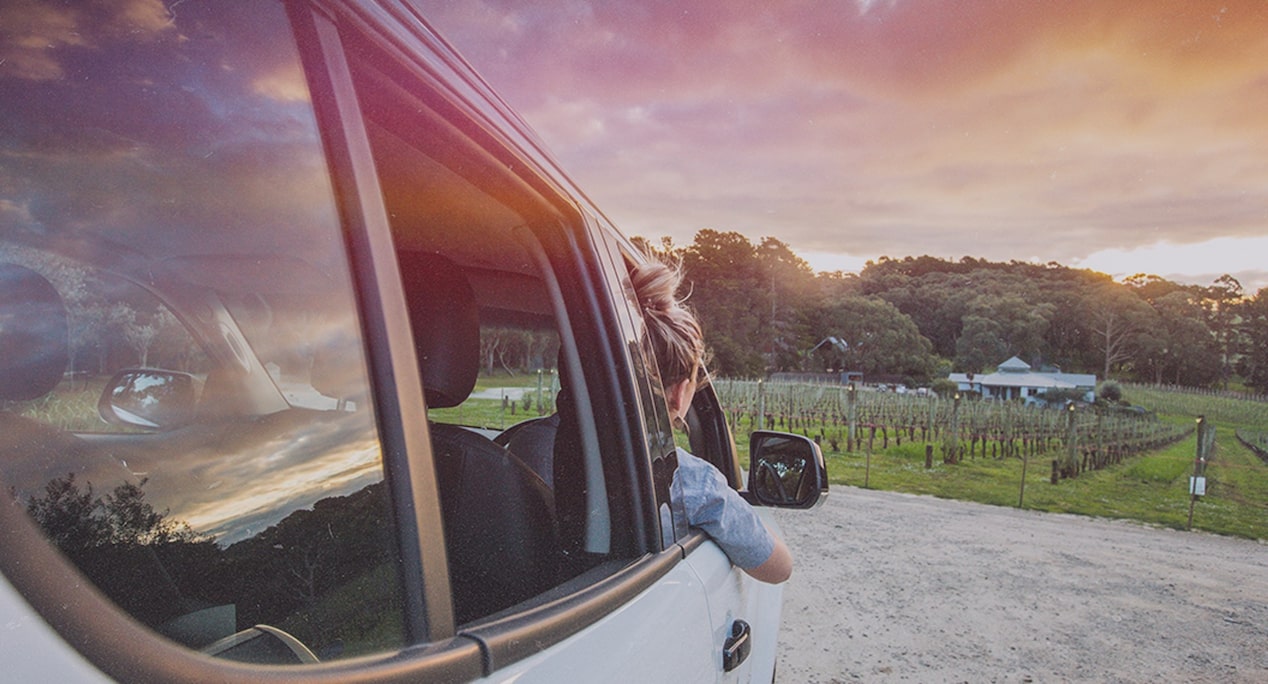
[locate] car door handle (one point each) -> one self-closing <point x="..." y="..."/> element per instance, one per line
<point x="737" y="646"/>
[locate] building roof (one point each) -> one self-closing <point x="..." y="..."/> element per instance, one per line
<point x="1014" y="365"/>
<point x="1014" y="379"/>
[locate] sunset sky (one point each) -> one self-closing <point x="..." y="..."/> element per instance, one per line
<point x="1120" y="136"/>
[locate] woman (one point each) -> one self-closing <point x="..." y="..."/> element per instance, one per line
<point x="710" y="504"/>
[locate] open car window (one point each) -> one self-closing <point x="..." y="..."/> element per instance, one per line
<point x="533" y="488"/>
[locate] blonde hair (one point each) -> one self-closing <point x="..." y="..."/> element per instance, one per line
<point x="675" y="334"/>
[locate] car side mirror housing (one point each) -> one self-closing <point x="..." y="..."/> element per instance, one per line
<point x="148" y="398"/>
<point x="786" y="470"/>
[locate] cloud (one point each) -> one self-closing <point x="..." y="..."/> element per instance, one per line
<point x="1000" y="129"/>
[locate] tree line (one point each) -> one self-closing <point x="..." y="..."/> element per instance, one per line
<point x="915" y="319"/>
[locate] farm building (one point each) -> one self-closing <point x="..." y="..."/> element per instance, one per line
<point x="1015" y="380"/>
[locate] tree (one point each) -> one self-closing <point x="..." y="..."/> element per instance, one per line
<point x="1020" y="325"/>
<point x="70" y="517"/>
<point x="877" y="338"/>
<point x="981" y="345"/>
<point x="731" y="295"/>
<point x="1116" y="315"/>
<point x="791" y="289"/>
<point x="1223" y="299"/>
<point x="1253" y="362"/>
<point x="1179" y="347"/>
<point x="77" y="521"/>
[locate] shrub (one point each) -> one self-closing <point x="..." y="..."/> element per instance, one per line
<point x="1110" y="391"/>
<point x="944" y="387"/>
<point x="1058" y="396"/>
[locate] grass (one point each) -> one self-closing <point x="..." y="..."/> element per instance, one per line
<point x="72" y="406"/>
<point x="496" y="414"/>
<point x="1152" y="488"/>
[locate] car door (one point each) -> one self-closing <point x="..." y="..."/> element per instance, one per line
<point x="356" y="240"/>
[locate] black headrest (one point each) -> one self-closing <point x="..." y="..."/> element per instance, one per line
<point x="34" y="344"/>
<point x="446" y="323"/>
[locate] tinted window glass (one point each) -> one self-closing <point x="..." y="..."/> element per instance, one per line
<point x="172" y="273"/>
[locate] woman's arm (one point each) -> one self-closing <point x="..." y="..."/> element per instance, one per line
<point x="777" y="567"/>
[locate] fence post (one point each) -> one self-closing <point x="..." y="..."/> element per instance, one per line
<point x="852" y="404"/>
<point x="867" y="469"/>
<point x="540" y="376"/>
<point x="1197" y="483"/>
<point x="761" y="405"/>
<point x="1021" y="495"/>
<point x="1071" y="466"/>
<point x="933" y="414"/>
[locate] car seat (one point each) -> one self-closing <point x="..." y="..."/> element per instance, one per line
<point x="533" y="441"/>
<point x="498" y="514"/>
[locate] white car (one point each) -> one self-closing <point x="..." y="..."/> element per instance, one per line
<point x="254" y="260"/>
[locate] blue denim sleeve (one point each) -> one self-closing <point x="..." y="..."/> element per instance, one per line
<point x="721" y="512"/>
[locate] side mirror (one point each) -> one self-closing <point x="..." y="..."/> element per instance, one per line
<point x="148" y="398"/>
<point x="786" y="470"/>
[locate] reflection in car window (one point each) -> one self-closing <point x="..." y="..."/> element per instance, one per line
<point x="172" y="263"/>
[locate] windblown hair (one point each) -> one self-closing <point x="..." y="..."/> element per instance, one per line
<point x="672" y="328"/>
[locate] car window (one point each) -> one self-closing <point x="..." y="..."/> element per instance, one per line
<point x="185" y="406"/>
<point x="533" y="484"/>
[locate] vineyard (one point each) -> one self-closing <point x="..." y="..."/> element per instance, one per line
<point x="843" y="419"/>
<point x="1131" y="462"/>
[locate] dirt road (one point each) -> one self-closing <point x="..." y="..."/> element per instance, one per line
<point x="893" y="587"/>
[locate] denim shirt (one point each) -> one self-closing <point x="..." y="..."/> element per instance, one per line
<point x="711" y="505"/>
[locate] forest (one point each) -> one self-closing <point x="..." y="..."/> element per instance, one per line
<point x="915" y="319"/>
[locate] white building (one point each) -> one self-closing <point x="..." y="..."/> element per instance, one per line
<point x="1014" y="380"/>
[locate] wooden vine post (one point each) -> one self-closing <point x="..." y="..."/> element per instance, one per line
<point x="1197" y="483"/>
<point x="761" y="406"/>
<point x="851" y="403"/>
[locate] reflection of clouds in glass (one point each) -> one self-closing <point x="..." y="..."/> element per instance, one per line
<point x="182" y="133"/>
<point x="228" y="480"/>
<point x="234" y="488"/>
<point x="36" y="31"/>
<point x="233" y="511"/>
<point x="286" y="84"/>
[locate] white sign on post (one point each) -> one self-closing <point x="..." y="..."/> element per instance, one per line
<point x="1197" y="486"/>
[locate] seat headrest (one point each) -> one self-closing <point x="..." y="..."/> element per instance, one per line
<point x="446" y="324"/>
<point x="33" y="334"/>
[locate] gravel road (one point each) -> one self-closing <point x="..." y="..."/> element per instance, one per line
<point x="894" y="587"/>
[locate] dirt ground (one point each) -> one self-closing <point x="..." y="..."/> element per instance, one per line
<point x="894" y="587"/>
